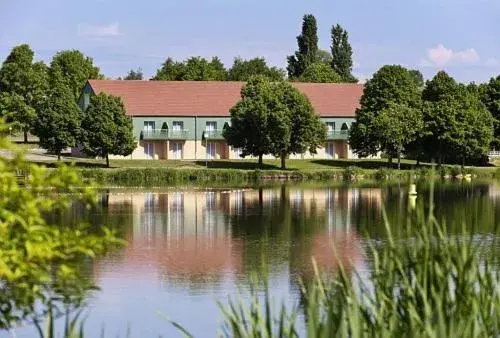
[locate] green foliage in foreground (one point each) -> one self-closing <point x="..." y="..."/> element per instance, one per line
<point x="40" y="263"/>
<point x="430" y="285"/>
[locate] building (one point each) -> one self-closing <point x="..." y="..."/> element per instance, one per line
<point x="185" y="119"/>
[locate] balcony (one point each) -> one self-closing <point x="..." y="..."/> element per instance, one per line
<point x="163" y="134"/>
<point x="213" y="135"/>
<point x="337" y="135"/>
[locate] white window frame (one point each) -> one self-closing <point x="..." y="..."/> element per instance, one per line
<point x="177" y="125"/>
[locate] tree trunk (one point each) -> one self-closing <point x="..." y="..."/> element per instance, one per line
<point x="418" y="160"/>
<point x="25" y="137"/>
<point x="260" y="161"/>
<point x="389" y="159"/>
<point x="283" y="159"/>
<point x="463" y="162"/>
<point x="399" y="160"/>
<point x="107" y="161"/>
<point x="58" y="155"/>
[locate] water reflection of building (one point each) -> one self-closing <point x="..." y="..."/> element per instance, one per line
<point x="189" y="234"/>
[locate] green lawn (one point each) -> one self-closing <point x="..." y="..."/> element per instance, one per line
<point x="235" y="164"/>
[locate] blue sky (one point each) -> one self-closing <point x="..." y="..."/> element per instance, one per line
<point x="459" y="36"/>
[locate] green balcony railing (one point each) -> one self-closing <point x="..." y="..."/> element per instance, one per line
<point x="337" y="135"/>
<point x="213" y="135"/>
<point x="163" y="134"/>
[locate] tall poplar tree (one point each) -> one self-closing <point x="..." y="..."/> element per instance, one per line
<point x="308" y="48"/>
<point x="342" y="54"/>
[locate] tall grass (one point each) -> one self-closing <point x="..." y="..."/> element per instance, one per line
<point x="429" y="285"/>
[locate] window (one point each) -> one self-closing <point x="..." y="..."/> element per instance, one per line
<point x="211" y="126"/>
<point x="178" y="126"/>
<point x="330" y="126"/>
<point x="149" y="126"/>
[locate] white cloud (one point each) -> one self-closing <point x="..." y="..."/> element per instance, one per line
<point x="441" y="56"/>
<point x="99" y="31"/>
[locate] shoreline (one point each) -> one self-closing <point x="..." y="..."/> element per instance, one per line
<point x="165" y="177"/>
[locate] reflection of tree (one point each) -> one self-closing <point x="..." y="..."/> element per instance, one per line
<point x="198" y="238"/>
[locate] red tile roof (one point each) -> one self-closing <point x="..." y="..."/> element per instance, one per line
<point x="212" y="98"/>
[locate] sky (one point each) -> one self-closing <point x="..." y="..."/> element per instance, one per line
<point x="461" y="37"/>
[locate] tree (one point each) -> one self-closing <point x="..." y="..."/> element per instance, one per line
<point x="342" y="54"/>
<point x="273" y="117"/>
<point x="106" y="129"/>
<point x="308" y="132"/>
<point x="199" y="69"/>
<point x="40" y="261"/>
<point x="242" y="70"/>
<point x="170" y="71"/>
<point x="22" y="85"/>
<point x="134" y="75"/>
<point x="398" y="125"/>
<point x="193" y="69"/>
<point x="390" y="84"/>
<point x="308" y="47"/>
<point x="417" y="77"/>
<point x="249" y="118"/>
<point x="324" y="56"/>
<point x="490" y="96"/>
<point x="458" y="127"/>
<point x="72" y="69"/>
<point x="320" y="72"/>
<point x="58" y="121"/>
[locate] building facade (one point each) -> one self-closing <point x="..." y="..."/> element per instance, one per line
<point x="184" y="120"/>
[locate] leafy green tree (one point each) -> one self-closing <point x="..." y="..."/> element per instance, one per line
<point x="72" y="69"/>
<point x="458" y="127"/>
<point x="273" y="117"/>
<point x="308" y="48"/>
<point x="342" y="54"/>
<point x="249" y="119"/>
<point x="193" y="69"/>
<point x="417" y="77"/>
<point x="38" y="260"/>
<point x="22" y="85"/>
<point x="477" y="132"/>
<point x="200" y="69"/>
<point x="389" y="85"/>
<point x="491" y="98"/>
<point x="321" y="73"/>
<point x="106" y="129"/>
<point x="398" y="125"/>
<point x="134" y="75"/>
<point x="242" y="70"/>
<point x="170" y="71"/>
<point x="58" y="121"/>
<point x="324" y="56"/>
<point x="308" y="132"/>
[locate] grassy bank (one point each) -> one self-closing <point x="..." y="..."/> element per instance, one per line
<point x="157" y="177"/>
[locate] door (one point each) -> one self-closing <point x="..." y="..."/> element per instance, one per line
<point x="149" y="150"/>
<point x="211" y="151"/>
<point x="330" y="150"/>
<point x="177" y="150"/>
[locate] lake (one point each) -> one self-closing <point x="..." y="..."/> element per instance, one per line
<point x="188" y="248"/>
